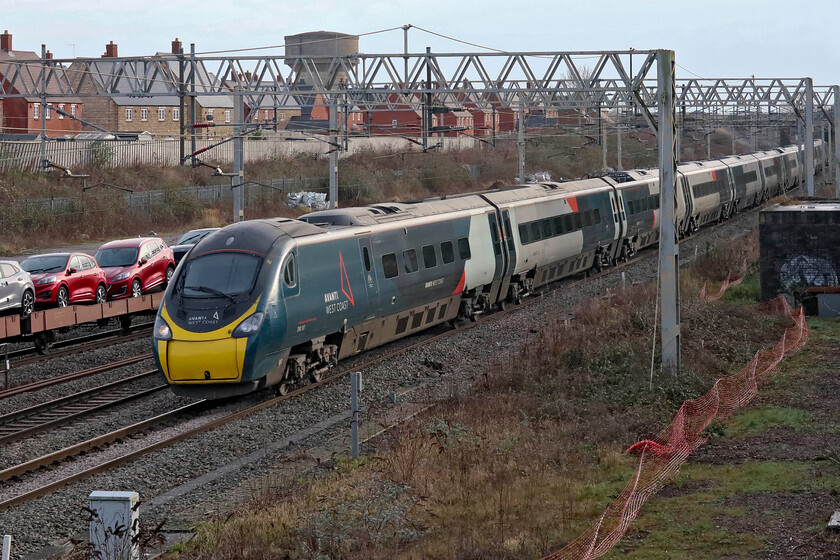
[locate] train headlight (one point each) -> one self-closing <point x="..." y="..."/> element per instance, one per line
<point x="162" y="330"/>
<point x="249" y="326"/>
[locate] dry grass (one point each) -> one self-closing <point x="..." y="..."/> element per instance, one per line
<point x="518" y="466"/>
<point x="364" y="178"/>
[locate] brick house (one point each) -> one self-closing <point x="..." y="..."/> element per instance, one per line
<point x="160" y="113"/>
<point x="396" y="118"/>
<point x="22" y="115"/>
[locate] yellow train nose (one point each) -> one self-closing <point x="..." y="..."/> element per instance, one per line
<point x="211" y="360"/>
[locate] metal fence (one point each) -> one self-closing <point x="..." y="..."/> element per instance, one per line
<point x="77" y="154"/>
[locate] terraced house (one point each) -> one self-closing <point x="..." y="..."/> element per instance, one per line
<point x="22" y="115"/>
<point x="159" y="113"/>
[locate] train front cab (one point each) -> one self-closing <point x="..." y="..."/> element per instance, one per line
<point x="213" y="327"/>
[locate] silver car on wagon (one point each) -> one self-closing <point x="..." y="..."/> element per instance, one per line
<point x="16" y="288"/>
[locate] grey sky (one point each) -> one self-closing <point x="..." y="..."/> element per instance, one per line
<point x="713" y="38"/>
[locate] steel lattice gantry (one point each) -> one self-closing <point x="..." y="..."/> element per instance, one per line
<point x="556" y="80"/>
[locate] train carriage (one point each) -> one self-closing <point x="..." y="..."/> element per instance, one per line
<point x="557" y="229"/>
<point x="638" y="196"/>
<point x="746" y="178"/>
<point x="771" y="168"/>
<point x="710" y="189"/>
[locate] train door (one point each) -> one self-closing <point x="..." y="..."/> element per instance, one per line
<point x="371" y="282"/>
<point x="499" y="254"/>
<point x="509" y="248"/>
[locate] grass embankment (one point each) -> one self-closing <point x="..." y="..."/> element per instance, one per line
<point x="530" y="457"/>
<point x="100" y="213"/>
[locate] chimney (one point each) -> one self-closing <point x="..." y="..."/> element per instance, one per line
<point x="110" y="50"/>
<point x="177" y="48"/>
<point x="48" y="55"/>
<point x="248" y="76"/>
<point x="6" y="41"/>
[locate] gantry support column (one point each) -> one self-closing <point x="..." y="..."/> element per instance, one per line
<point x="668" y="247"/>
<point x="809" y="135"/>
<point x="333" y="154"/>
<point x="238" y="177"/>
<point x="836" y="141"/>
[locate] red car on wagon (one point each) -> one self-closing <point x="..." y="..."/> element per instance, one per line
<point x="64" y="278"/>
<point x="134" y="266"/>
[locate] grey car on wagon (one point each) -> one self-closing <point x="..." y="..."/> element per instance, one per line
<point x="16" y="288"/>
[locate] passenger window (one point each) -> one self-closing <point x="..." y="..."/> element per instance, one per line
<point x="389" y="265"/>
<point x="366" y="255"/>
<point x="410" y="260"/>
<point x="523" y="234"/>
<point x="578" y="220"/>
<point x="87" y="264"/>
<point x="587" y="218"/>
<point x="567" y="224"/>
<point x="429" y="257"/>
<point x="289" y="273"/>
<point x="558" y="226"/>
<point x="596" y="216"/>
<point x="4" y="271"/>
<point x="464" y="248"/>
<point x="535" y="231"/>
<point x="74" y="263"/>
<point x="546" y="227"/>
<point x="447" y="252"/>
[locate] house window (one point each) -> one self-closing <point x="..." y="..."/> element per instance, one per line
<point x="61" y="106"/>
<point x="47" y="112"/>
<point x="266" y="114"/>
<point x="227" y="115"/>
<point x="393" y="123"/>
<point x="176" y="114"/>
<point x="161" y="113"/>
<point x="144" y="114"/>
<point x="209" y="114"/>
<point x="73" y="110"/>
<point x="36" y="110"/>
<point x="129" y="114"/>
<point x="282" y="115"/>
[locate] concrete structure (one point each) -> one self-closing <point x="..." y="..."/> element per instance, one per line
<point x="321" y="44"/>
<point x="799" y="253"/>
<point x="22" y="115"/>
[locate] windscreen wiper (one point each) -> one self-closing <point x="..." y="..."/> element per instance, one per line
<point x="209" y="290"/>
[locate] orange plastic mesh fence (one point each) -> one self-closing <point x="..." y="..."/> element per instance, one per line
<point x="726" y="284"/>
<point x="661" y="458"/>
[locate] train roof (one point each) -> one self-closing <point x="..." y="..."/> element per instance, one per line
<point x="254" y="235"/>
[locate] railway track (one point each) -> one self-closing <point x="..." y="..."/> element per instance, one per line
<point x="43" y="383"/>
<point x="57" y="457"/>
<point x="53" y="458"/>
<point x="70" y="347"/>
<point x="58" y="412"/>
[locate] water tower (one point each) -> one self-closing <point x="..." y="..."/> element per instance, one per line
<point x="316" y="44"/>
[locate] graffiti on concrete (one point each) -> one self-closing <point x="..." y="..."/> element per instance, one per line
<point x="808" y="270"/>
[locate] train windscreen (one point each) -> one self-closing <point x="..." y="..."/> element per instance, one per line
<point x="225" y="274"/>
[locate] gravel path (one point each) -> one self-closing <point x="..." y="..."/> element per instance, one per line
<point x="55" y="518"/>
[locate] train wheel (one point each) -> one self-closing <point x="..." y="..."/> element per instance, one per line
<point x="281" y="389"/>
<point x="316" y="376"/>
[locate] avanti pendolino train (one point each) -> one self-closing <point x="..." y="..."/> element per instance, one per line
<point x="270" y="302"/>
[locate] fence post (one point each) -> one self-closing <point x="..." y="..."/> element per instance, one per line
<point x="7" y="547"/>
<point x="355" y="387"/>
